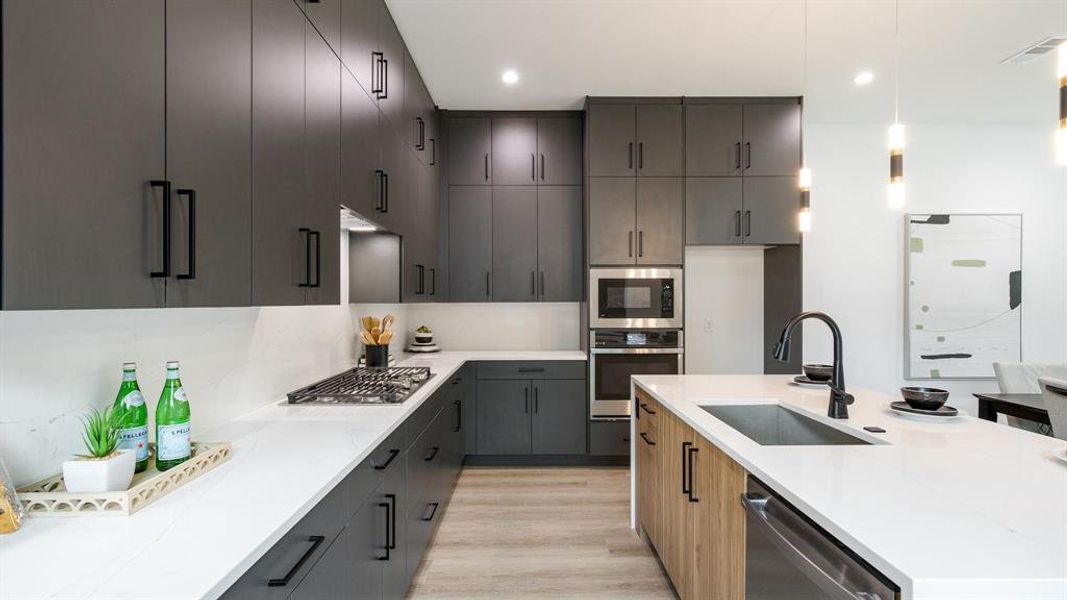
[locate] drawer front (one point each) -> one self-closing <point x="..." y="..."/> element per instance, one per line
<point x="384" y="460"/>
<point x="293" y="556"/>
<point x="609" y="438"/>
<point x="647" y="409"/>
<point x="416" y="424"/>
<point x="552" y="369"/>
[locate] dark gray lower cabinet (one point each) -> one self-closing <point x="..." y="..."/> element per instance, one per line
<point x="609" y="438"/>
<point x="558" y="422"/>
<point x="504" y="417"/>
<point x="514" y="243"/>
<point x="470" y="242"/>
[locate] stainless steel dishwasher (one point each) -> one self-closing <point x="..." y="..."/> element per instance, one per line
<point x="788" y="557"/>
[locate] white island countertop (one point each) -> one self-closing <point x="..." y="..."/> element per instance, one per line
<point x="958" y="509"/>
<point x="197" y="541"/>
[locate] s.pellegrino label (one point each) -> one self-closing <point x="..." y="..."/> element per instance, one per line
<point x="173" y="433"/>
<point x="131" y="416"/>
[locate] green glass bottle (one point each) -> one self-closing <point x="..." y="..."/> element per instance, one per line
<point x="131" y="416"/>
<point x="172" y="422"/>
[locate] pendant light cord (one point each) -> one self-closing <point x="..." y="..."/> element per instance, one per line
<point x="896" y="62"/>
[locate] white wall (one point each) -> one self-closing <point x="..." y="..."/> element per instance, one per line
<point x="853" y="258"/>
<point x="723" y="310"/>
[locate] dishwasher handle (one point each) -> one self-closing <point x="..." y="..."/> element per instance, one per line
<point x="781" y="525"/>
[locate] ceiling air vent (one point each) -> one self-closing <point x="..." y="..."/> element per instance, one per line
<point x="1032" y="52"/>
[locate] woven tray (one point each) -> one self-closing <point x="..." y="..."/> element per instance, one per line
<point x="49" y="498"/>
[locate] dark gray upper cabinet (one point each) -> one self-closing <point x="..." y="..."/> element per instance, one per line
<point x="514" y="151"/>
<point x="612" y="221"/>
<point x="325" y="15"/>
<point x="469" y="147"/>
<point x="397" y="209"/>
<point x="470" y="243"/>
<point x="559" y="243"/>
<point x="374" y="272"/>
<point x="322" y="167"/>
<point x="419" y="277"/>
<point x="208" y="161"/>
<point x="360" y="149"/>
<point x="514" y="243"/>
<point x="660" y="221"/>
<point x="504" y="417"/>
<point x="391" y="100"/>
<point x="713" y="135"/>
<point x="280" y="271"/>
<point x="713" y="210"/>
<point x="770" y="210"/>
<point x="360" y="41"/>
<point x="83" y="130"/>
<point x="559" y="147"/>
<point x="559" y="416"/>
<point x="611" y="139"/>
<point x="660" y="134"/>
<point x="772" y="139"/>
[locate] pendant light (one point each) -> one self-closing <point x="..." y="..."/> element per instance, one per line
<point x="804" y="176"/>
<point x="897" y="190"/>
<point x="1061" y="73"/>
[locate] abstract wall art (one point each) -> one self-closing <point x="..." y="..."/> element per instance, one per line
<point x="963" y="294"/>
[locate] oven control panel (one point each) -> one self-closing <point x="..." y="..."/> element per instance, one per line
<point x="637" y="338"/>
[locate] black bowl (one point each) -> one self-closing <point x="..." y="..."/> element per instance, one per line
<point x="819" y="372"/>
<point x="924" y="398"/>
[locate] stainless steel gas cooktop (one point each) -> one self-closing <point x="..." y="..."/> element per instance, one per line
<point x="361" y="385"/>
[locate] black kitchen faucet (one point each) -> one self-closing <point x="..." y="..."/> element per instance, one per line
<point x="839" y="398"/>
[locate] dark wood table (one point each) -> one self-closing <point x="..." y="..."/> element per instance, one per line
<point x="1025" y="406"/>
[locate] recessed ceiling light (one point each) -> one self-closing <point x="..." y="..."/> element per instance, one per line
<point x="510" y="77"/>
<point x="863" y="78"/>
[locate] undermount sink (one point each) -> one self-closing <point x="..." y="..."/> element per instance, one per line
<point x="772" y="425"/>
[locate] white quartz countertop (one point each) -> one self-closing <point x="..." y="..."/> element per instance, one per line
<point x="197" y="541"/>
<point x="963" y="508"/>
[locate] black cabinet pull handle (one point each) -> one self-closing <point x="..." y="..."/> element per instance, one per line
<point x="459" y="416"/>
<point x="318" y="258"/>
<point x="385" y="78"/>
<point x="641" y="243"/>
<point x="537" y="399"/>
<point x="307" y="257"/>
<point x="393" y="453"/>
<point x="647" y="409"/>
<point x="748" y="223"/>
<point x="376" y="73"/>
<point x="165" y="272"/>
<point x="685" y="475"/>
<point x="630" y="151"/>
<point x="533" y="167"/>
<point x="316" y="541"/>
<point x="542" y="167"/>
<point x="388" y="519"/>
<point x="487" y="166"/>
<point x="190" y="272"/>
<point x="433" y="152"/>
<point x="533" y="283"/>
<point x="737" y="155"/>
<point x="385" y="199"/>
<point x="526" y="400"/>
<point x="542" y="284"/>
<point x="379" y="176"/>
<point x="390" y="532"/>
<point x="433" y="453"/>
<point x="640" y="155"/>
<point x="644" y="436"/>
<point x="433" y="281"/>
<point x="689" y="459"/>
<point x="737" y="223"/>
<point x="421" y="144"/>
<point x="630" y="252"/>
<point x="433" y="511"/>
<point x="487" y="293"/>
<point x="531" y="369"/>
<point x="419" y="278"/>
<point x="748" y="155"/>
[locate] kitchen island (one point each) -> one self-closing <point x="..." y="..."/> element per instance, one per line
<point x="953" y="509"/>
<point x="199" y="540"/>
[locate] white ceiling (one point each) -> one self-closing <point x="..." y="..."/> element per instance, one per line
<point x="950" y="53"/>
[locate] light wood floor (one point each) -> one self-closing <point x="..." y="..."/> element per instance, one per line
<point x="539" y="533"/>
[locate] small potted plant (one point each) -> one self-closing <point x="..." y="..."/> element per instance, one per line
<point x="104" y="468"/>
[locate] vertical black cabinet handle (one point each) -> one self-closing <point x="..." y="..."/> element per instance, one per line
<point x="376" y="74"/>
<point x="433" y="453"/>
<point x="318" y="258"/>
<point x="433" y="511"/>
<point x="641" y="243"/>
<point x="689" y="459"/>
<point x="165" y="272"/>
<point x="487" y="166"/>
<point x="748" y="223"/>
<point x="526" y="400"/>
<point x="533" y="283"/>
<point x="190" y="272"/>
<point x="487" y="292"/>
<point x="307" y="257"/>
<point x="737" y="223"/>
<point x="737" y="155"/>
<point x="542" y="284"/>
<point x="630" y="151"/>
<point x="433" y="281"/>
<point x="459" y="416"/>
<point x="388" y="519"/>
<point x="640" y="155"/>
<point x="748" y="155"/>
<point x="433" y="152"/>
<point x="684" y="460"/>
<point x="316" y="541"/>
<point x="630" y="252"/>
<point x="421" y="144"/>
<point x="385" y="79"/>
<point x="379" y="176"/>
<point x="420" y="278"/>
<point x="537" y="398"/>
<point x="385" y="201"/>
<point x="542" y="166"/>
<point x="390" y="533"/>
<point x="533" y="167"/>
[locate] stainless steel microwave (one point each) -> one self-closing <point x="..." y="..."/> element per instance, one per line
<point x="635" y="298"/>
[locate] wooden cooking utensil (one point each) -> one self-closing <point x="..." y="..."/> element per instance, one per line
<point x="376" y="333"/>
<point x="367" y="323"/>
<point x="375" y="322"/>
<point x="385" y="337"/>
<point x="366" y="338"/>
<point x="387" y="322"/>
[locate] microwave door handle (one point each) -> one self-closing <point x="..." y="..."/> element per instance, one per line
<point x="756" y="506"/>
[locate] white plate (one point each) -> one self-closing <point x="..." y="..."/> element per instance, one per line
<point x="810" y="386"/>
<point x="1060" y="455"/>
<point x="927" y="418"/>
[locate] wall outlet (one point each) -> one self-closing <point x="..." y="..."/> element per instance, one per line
<point x="707" y="325"/>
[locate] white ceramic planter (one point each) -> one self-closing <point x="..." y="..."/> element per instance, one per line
<point x="112" y="474"/>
